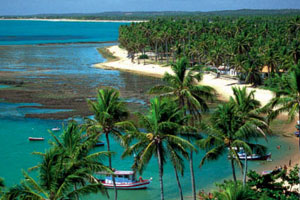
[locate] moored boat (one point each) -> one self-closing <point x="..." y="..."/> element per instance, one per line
<point x="242" y="156"/>
<point x="55" y="129"/>
<point x="125" y="180"/>
<point x="36" y="138"/>
<point x="99" y="144"/>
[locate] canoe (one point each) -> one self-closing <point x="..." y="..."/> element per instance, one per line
<point x="36" y="138"/>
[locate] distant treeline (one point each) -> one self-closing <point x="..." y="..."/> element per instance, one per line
<point x="246" y="44"/>
<point x="163" y="14"/>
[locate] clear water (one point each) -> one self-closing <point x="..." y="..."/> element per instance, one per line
<point x="15" y="32"/>
<point x="37" y="63"/>
<point x="4" y="86"/>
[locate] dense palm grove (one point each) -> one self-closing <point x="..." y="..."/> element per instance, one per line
<point x="245" y="44"/>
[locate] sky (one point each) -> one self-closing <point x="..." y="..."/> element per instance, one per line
<point x="26" y="7"/>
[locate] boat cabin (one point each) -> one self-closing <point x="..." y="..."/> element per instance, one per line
<point x="121" y="177"/>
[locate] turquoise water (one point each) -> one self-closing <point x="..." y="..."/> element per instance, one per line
<point x="38" y="64"/>
<point x="4" y="86"/>
<point x="16" y="32"/>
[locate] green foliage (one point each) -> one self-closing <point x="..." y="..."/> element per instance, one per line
<point x="66" y="169"/>
<point x="144" y="56"/>
<point x="245" y="43"/>
<point x="273" y="185"/>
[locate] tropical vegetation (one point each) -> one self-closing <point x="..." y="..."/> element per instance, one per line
<point x="246" y="44"/>
<point x="66" y="170"/>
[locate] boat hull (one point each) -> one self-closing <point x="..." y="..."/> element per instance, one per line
<point x="265" y="157"/>
<point x="35" y="139"/>
<point x="129" y="186"/>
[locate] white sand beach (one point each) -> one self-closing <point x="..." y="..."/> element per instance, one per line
<point x="72" y="20"/>
<point x="221" y="85"/>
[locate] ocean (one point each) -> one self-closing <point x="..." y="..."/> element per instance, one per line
<point x="23" y="57"/>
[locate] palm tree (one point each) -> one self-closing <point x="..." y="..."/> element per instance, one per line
<point x="228" y="131"/>
<point x="248" y="109"/>
<point x="109" y="113"/>
<point x="162" y="125"/>
<point x="191" y="97"/>
<point x="235" y="191"/>
<point x="66" y="170"/>
<point x="287" y="97"/>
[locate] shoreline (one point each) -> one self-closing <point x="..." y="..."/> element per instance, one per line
<point x="72" y="20"/>
<point x="222" y="85"/>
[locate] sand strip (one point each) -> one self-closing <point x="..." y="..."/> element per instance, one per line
<point x="223" y="86"/>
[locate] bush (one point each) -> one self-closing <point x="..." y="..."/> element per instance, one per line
<point x="143" y="56"/>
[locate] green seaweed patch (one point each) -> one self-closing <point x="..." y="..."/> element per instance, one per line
<point x="107" y="54"/>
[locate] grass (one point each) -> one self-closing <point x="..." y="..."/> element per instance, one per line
<point x="107" y="54"/>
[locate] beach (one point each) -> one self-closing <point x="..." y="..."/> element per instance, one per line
<point x="73" y="20"/>
<point x="223" y="86"/>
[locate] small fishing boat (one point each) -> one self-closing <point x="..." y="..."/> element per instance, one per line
<point x="55" y="129"/>
<point x="125" y="180"/>
<point x="242" y="156"/>
<point x="36" y="138"/>
<point x="99" y="144"/>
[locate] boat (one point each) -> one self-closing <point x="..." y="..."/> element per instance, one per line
<point x="36" y="138"/>
<point x="99" y="144"/>
<point x="125" y="180"/>
<point x="55" y="129"/>
<point x="242" y="156"/>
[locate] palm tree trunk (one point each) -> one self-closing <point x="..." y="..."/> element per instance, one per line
<point x="160" y="174"/>
<point x="233" y="169"/>
<point x="156" y="53"/>
<point x="299" y="139"/>
<point x="178" y="183"/>
<point x="245" y="171"/>
<point x="192" y="176"/>
<point x="110" y="166"/>
<point x="76" y="195"/>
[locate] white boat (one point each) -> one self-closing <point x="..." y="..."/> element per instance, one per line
<point x="55" y="129"/>
<point x="242" y="156"/>
<point x="125" y="180"/>
<point x="36" y="138"/>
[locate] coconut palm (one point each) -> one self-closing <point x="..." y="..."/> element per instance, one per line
<point x="235" y="191"/>
<point x="66" y="170"/>
<point x="182" y="87"/>
<point x="228" y="132"/>
<point x="162" y="125"/>
<point x="287" y="97"/>
<point x="109" y="113"/>
<point x="248" y="109"/>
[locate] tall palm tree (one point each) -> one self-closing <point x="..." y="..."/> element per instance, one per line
<point x="228" y="131"/>
<point x="66" y="170"/>
<point x="248" y="109"/>
<point x="183" y="88"/>
<point x="109" y="113"/>
<point x="162" y="125"/>
<point x="287" y="97"/>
